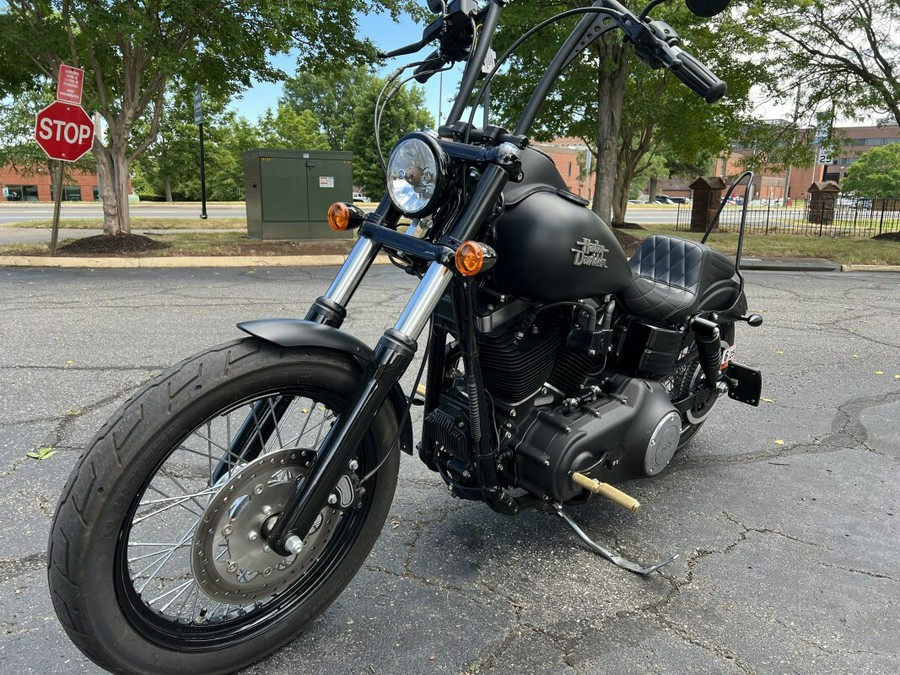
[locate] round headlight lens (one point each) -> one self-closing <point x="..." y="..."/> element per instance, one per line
<point x="414" y="176"/>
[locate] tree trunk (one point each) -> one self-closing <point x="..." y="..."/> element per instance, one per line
<point x="611" y="83"/>
<point x="651" y="189"/>
<point x="112" y="174"/>
<point x="620" y="203"/>
<point x="167" y="186"/>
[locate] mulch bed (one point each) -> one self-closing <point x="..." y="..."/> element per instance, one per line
<point x="106" y="245"/>
<point x="126" y="245"/>
<point x="629" y="243"/>
<point x="888" y="236"/>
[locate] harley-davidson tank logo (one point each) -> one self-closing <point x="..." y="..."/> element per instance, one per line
<point x="590" y="253"/>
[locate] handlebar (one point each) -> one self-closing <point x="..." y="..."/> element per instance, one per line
<point x="696" y="76"/>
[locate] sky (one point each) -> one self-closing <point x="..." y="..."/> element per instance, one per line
<point x="386" y="35"/>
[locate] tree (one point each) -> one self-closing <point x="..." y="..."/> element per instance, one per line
<point x="344" y="103"/>
<point x="132" y="50"/>
<point x="624" y="112"/>
<point x="843" y="55"/>
<point x="405" y="112"/>
<point x="287" y="128"/>
<point x="330" y="97"/>
<point x="171" y="164"/>
<point x="876" y="173"/>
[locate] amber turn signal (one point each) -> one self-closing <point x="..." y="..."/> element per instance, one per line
<point x="343" y="216"/>
<point x="473" y="258"/>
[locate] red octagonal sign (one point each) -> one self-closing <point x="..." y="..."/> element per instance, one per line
<point x="64" y="131"/>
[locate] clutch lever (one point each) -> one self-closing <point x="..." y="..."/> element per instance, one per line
<point x="431" y="33"/>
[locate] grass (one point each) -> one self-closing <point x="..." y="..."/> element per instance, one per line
<point x="220" y="243"/>
<point x="140" y="224"/>
<point x="846" y="251"/>
<point x="843" y="250"/>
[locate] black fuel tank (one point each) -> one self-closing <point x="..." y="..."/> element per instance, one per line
<point x="550" y="247"/>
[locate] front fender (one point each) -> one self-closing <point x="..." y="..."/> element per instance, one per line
<point x="297" y="333"/>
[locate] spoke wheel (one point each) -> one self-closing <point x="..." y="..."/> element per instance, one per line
<point x="193" y="578"/>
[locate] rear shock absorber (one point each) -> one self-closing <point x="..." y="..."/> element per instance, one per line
<point x="707" y="336"/>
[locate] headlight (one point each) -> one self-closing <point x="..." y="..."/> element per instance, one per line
<point x="416" y="174"/>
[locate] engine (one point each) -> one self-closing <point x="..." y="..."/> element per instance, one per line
<point x="555" y="410"/>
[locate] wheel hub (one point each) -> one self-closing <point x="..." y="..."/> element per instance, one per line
<point x="230" y="559"/>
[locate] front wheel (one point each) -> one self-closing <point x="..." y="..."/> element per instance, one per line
<point x="158" y="560"/>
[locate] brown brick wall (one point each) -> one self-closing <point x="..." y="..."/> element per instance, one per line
<point x="10" y="176"/>
<point x="564" y="153"/>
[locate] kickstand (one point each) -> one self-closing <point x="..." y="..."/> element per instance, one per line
<point x="610" y="554"/>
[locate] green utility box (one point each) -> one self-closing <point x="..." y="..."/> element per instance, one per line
<point x="289" y="192"/>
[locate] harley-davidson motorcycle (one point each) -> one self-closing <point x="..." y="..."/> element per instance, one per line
<point x="229" y="502"/>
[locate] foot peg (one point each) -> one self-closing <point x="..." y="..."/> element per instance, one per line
<point x="606" y="490"/>
<point x="610" y="554"/>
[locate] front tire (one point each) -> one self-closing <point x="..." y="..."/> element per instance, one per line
<point x="157" y="560"/>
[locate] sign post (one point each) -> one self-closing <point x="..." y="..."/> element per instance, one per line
<point x="65" y="132"/>
<point x="198" y="120"/>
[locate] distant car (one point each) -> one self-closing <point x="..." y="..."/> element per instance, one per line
<point x="663" y="199"/>
<point x="359" y="197"/>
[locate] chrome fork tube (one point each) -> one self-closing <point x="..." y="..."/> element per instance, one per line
<point x="352" y="271"/>
<point x="423" y="301"/>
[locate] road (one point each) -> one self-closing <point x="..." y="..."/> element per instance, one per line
<point x="15" y="213"/>
<point x="787" y="516"/>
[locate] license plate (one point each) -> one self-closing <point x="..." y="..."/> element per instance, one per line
<point x="728" y="356"/>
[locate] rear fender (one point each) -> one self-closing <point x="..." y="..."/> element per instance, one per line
<point x="297" y="333"/>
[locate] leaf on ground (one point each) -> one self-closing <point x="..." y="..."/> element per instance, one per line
<point x="778" y="441"/>
<point x="780" y="352"/>
<point x="42" y="453"/>
<point x="767" y="400"/>
<point x="69" y="362"/>
<point x="856" y="356"/>
<point x="879" y="372"/>
<point x="72" y="412"/>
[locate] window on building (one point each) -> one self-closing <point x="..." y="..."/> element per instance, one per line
<point x="13" y="193"/>
<point x="570" y="169"/>
<point x="72" y="193"/>
<point x="95" y="191"/>
<point x="29" y="193"/>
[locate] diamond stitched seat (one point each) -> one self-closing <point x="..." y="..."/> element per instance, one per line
<point x="675" y="278"/>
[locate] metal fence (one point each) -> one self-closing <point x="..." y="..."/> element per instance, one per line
<point x="831" y="217"/>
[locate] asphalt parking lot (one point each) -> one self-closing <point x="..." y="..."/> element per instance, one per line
<point x="787" y="516"/>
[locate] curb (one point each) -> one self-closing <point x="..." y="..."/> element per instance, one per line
<point x="870" y="268"/>
<point x="180" y="261"/>
<point x="326" y="260"/>
<point x="790" y="266"/>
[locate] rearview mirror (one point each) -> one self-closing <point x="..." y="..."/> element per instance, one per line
<point x="706" y="8"/>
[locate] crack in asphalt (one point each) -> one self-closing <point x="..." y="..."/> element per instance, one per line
<point x="854" y="570"/>
<point x="766" y="530"/>
<point x="848" y="433"/>
<point x="61" y="426"/>
<point x="103" y="369"/>
<point x="13" y="567"/>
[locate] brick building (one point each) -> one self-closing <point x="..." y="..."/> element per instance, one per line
<point x="565" y="152"/>
<point x="21" y="186"/>
<point x="855" y="141"/>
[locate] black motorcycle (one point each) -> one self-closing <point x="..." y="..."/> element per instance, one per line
<point x="231" y="500"/>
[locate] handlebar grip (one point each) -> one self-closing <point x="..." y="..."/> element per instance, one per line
<point x="432" y="63"/>
<point x="698" y="77"/>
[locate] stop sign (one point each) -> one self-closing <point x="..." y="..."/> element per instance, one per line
<point x="64" y="131"/>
